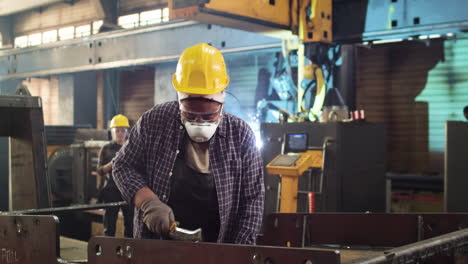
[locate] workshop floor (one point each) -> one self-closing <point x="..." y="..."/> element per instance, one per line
<point x="73" y="250"/>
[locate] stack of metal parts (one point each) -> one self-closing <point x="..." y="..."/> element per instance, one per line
<point x="72" y="163"/>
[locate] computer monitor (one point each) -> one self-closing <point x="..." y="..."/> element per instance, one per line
<point x="296" y="143"/>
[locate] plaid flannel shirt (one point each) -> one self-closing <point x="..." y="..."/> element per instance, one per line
<point x="148" y="157"/>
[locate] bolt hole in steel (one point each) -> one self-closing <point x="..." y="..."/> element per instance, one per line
<point x="298" y="222"/>
<point x="256" y="259"/>
<point x="128" y="252"/>
<point x="268" y="261"/>
<point x="119" y="251"/>
<point x="19" y="228"/>
<point x="98" y="250"/>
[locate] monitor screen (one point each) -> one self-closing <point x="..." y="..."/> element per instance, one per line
<point x="296" y="143"/>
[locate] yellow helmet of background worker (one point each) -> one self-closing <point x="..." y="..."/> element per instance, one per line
<point x="200" y="70"/>
<point x="119" y="121"/>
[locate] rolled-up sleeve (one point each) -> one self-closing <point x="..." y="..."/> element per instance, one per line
<point x="128" y="167"/>
<point x="252" y="193"/>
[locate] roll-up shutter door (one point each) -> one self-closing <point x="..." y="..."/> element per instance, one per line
<point x="136" y="92"/>
<point x="414" y="87"/>
<point x="243" y="72"/>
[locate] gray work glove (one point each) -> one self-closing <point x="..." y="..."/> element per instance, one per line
<point x="157" y="216"/>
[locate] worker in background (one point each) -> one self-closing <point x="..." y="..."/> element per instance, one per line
<point x="191" y="162"/>
<point x="119" y="127"/>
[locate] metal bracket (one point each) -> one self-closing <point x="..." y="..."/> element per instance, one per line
<point x="29" y="239"/>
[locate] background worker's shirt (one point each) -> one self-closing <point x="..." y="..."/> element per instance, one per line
<point x="148" y="157"/>
<point x="106" y="154"/>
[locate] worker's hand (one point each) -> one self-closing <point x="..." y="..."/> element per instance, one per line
<point x="157" y="216"/>
<point x="108" y="167"/>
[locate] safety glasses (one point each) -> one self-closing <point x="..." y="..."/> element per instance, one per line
<point x="200" y="117"/>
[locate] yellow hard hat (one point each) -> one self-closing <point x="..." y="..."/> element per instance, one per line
<point x="119" y="121"/>
<point x="200" y="70"/>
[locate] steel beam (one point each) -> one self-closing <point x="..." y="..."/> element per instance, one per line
<point x="357" y="229"/>
<point x="66" y="209"/>
<point x="22" y="121"/>
<point x="385" y="20"/>
<point x="450" y="244"/>
<point x="124" y="250"/>
<point x="125" y="48"/>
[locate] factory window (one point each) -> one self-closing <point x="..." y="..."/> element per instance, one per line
<point x="49" y="36"/>
<point x="34" y="39"/>
<point x="165" y="14"/>
<point x="82" y="31"/>
<point x="96" y="26"/>
<point x="66" y="33"/>
<point x="21" y="42"/>
<point x="129" y="21"/>
<point x="150" y="17"/>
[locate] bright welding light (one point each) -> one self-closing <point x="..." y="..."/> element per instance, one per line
<point x="423" y="37"/>
<point x="434" y="36"/>
<point x="258" y="139"/>
<point x="450" y="34"/>
<point x="387" y="41"/>
<point x="255" y="126"/>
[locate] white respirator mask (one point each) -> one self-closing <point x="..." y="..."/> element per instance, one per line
<point x="200" y="132"/>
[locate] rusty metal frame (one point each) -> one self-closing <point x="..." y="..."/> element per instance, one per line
<point x="65" y="209"/>
<point x="451" y="244"/>
<point x="22" y="121"/>
<point x="142" y="251"/>
<point x="357" y="229"/>
<point x="29" y="239"/>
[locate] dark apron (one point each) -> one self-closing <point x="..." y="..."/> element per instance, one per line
<point x="193" y="200"/>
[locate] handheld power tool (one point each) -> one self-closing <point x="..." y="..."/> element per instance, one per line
<point x="181" y="234"/>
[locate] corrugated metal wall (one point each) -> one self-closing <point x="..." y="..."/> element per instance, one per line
<point x="406" y="85"/>
<point x="59" y="14"/>
<point x="243" y="72"/>
<point x="136" y="92"/>
<point x="47" y="89"/>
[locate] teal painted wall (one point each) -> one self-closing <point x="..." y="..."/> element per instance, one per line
<point x="446" y="91"/>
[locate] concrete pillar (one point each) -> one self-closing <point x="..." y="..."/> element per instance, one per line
<point x="6" y="29"/>
<point x="65" y="99"/>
